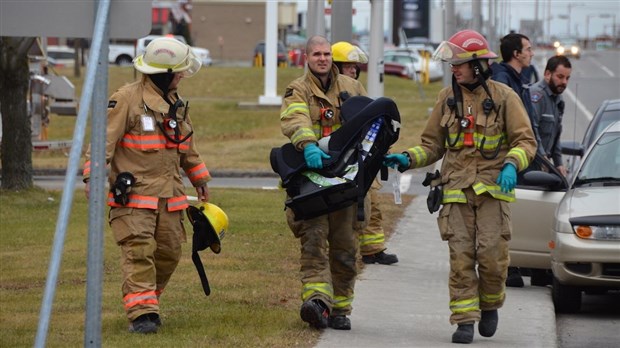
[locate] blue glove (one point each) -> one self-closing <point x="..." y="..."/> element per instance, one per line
<point x="314" y="156"/>
<point x="396" y="159"/>
<point x="507" y="178"/>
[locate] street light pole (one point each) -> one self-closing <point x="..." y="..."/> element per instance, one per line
<point x="568" y="19"/>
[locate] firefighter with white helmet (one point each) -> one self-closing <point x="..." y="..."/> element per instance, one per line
<point x="482" y="132"/>
<point x="149" y="141"/>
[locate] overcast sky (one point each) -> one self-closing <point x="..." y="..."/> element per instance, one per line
<point x="516" y="10"/>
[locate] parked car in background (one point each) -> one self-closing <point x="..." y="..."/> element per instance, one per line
<point x="585" y="239"/>
<point x="123" y="52"/>
<point x="413" y="59"/>
<point x="572" y="228"/>
<point x="60" y="56"/>
<point x="607" y="113"/>
<point x="259" y="49"/>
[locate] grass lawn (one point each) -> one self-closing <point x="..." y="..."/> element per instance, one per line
<point x="255" y="287"/>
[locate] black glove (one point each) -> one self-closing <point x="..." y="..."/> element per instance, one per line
<point x="122" y="187"/>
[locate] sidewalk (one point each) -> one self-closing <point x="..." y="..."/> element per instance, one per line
<point x="406" y="304"/>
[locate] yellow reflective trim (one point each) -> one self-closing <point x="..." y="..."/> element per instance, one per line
<point x="464" y="306"/>
<point x="521" y="157"/>
<point x="301" y="134"/>
<point x="342" y="301"/>
<point x="453" y="196"/>
<point x="419" y="155"/>
<point x="492" y="298"/>
<point x="369" y="239"/>
<point x="470" y="54"/>
<point x="310" y="289"/>
<point x="490" y="142"/>
<point x="294" y="108"/>
<point x="495" y="191"/>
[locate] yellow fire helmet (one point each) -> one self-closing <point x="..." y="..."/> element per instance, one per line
<point x="210" y="224"/>
<point x="345" y="52"/>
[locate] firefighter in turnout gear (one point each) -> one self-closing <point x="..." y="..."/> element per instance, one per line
<point x="149" y="141"/>
<point x="347" y="58"/>
<point x="478" y="178"/>
<point x="329" y="246"/>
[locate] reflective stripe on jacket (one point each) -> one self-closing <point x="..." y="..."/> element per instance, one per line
<point x="136" y="143"/>
<point x="464" y="166"/>
<point x="300" y="115"/>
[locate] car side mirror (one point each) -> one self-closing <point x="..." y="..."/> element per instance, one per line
<point x="539" y="178"/>
<point x="572" y="148"/>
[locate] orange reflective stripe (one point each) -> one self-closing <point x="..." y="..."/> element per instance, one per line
<point x="86" y="170"/>
<point x="135" y="201"/>
<point x="140" y="298"/>
<point x="198" y="172"/>
<point x="177" y="203"/>
<point x="156" y="141"/>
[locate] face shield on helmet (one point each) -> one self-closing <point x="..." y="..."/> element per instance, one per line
<point x="462" y="47"/>
<point x="344" y="52"/>
<point x="169" y="55"/>
<point x="210" y="224"/>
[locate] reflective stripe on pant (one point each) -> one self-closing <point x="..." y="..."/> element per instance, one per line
<point x="328" y="257"/>
<point x="150" y="242"/>
<point x="372" y="238"/>
<point x="477" y="233"/>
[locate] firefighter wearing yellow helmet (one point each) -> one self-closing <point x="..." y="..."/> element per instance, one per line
<point x="149" y="141"/>
<point x="347" y="58"/>
<point x="371" y="238"/>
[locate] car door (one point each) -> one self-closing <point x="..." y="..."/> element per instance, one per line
<point x="538" y="193"/>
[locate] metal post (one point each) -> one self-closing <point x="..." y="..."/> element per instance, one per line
<point x="477" y="15"/>
<point x="271" y="55"/>
<point x="449" y="30"/>
<point x="70" y="177"/>
<point x="342" y="21"/>
<point x="375" y="59"/>
<point x="97" y="198"/>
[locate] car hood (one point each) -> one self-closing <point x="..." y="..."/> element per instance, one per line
<point x="587" y="201"/>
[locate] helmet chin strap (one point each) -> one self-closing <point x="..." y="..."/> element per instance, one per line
<point x="481" y="75"/>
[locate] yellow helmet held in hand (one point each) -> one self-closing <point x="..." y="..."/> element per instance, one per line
<point x="210" y="224"/>
<point x="166" y="54"/>
<point x="345" y="52"/>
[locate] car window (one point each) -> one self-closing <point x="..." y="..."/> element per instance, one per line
<point x="60" y="55"/>
<point x="541" y="164"/>
<point x="603" y="161"/>
<point x="607" y="118"/>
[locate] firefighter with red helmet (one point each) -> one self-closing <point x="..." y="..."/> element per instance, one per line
<point x="149" y="141"/>
<point x="482" y="132"/>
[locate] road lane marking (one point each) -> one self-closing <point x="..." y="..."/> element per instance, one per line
<point x="604" y="68"/>
<point x="580" y="106"/>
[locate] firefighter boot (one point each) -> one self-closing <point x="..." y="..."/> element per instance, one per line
<point x="143" y="325"/>
<point x="514" y="278"/>
<point x="154" y="317"/>
<point x="464" y="333"/>
<point x="380" y="258"/>
<point x="339" y="322"/>
<point x="488" y="323"/>
<point x="315" y="313"/>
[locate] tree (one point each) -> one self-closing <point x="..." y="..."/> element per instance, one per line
<point x="16" y="145"/>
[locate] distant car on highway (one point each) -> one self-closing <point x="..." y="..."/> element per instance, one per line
<point x="567" y="47"/>
<point x="61" y="56"/>
<point x="413" y="59"/>
<point x="259" y="49"/>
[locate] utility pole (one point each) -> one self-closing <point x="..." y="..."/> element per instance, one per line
<point x="448" y="30"/>
<point x="342" y="21"/>
<point x="476" y="9"/>
<point x="375" y="58"/>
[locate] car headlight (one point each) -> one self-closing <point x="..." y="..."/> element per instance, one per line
<point x="560" y="50"/>
<point x="597" y="232"/>
<point x="574" y="50"/>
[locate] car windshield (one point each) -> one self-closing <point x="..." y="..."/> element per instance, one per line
<point x="602" y="165"/>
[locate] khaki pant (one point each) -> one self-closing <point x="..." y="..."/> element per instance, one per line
<point x="477" y="233"/>
<point x="372" y="238"/>
<point x="328" y="258"/>
<point x="150" y="242"/>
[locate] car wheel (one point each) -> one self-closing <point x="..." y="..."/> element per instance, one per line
<point x="567" y="299"/>
<point x="123" y="60"/>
